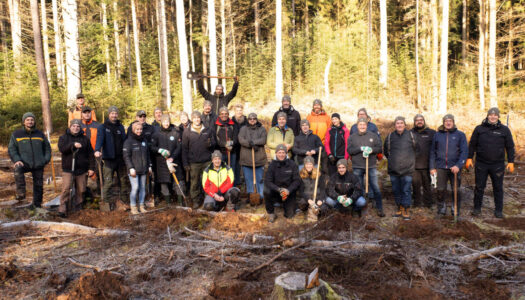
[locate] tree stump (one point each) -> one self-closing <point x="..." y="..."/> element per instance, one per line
<point x="292" y="285"/>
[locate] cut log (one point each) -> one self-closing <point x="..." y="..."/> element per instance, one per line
<point x="63" y="227"/>
<point x="291" y="285"/>
<point x="482" y="254"/>
<point x="253" y="217"/>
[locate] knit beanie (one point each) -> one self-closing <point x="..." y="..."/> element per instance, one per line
<point x="318" y="102"/>
<point x="112" y="108"/>
<point x="418" y="116"/>
<point x="336" y="115"/>
<point x="362" y="120"/>
<point x="400" y="118"/>
<point x="281" y="147"/>
<point x="224" y="108"/>
<point x="75" y="121"/>
<point x="252" y="116"/>
<point x="342" y="162"/>
<point x="493" y="110"/>
<point x="448" y="117"/>
<point x="28" y="115"/>
<point x="215" y="154"/>
<point x="309" y="159"/>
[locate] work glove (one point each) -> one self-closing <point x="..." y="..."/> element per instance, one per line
<point x="132" y="172"/>
<point x="468" y="164"/>
<point x="433" y="180"/>
<point x="165" y="153"/>
<point x="331" y="157"/>
<point x="187" y="168"/>
<point x="510" y="167"/>
<point x="150" y="171"/>
<point x="255" y="148"/>
<point x="284" y="193"/>
<point x="171" y="166"/>
<point x="251" y="144"/>
<point x="229" y="145"/>
<point x="345" y="201"/>
<point x="366" y="151"/>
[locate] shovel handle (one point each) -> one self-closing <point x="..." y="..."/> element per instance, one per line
<point x="455" y="197"/>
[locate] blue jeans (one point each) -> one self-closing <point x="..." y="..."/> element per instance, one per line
<point x="374" y="191"/>
<point x="357" y="205"/>
<point x="402" y="188"/>
<point x="248" y="177"/>
<point x="138" y="184"/>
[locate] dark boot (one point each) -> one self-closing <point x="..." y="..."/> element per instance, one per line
<point x="441" y="208"/>
<point x="476" y="212"/>
<point x="498" y="214"/>
<point x="167" y="199"/>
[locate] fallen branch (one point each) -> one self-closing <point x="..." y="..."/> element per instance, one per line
<point x="215" y="213"/>
<point x="482" y="254"/>
<point x="63" y="227"/>
<point x="98" y="269"/>
<point x="234" y="245"/>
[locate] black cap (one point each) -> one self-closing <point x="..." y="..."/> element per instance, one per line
<point x="86" y="108"/>
<point x="80" y="95"/>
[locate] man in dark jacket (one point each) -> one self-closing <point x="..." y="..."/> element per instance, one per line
<point x="293" y="118"/>
<point x="306" y="144"/>
<point x="336" y="143"/>
<point x="227" y="132"/>
<point x="208" y="117"/>
<point x="74" y="145"/>
<point x="110" y="140"/>
<point x="241" y="121"/>
<point x="421" y="176"/>
<point x="281" y="184"/>
<point x="29" y="151"/>
<point x="218" y="99"/>
<point x="489" y="142"/>
<point x="448" y="154"/>
<point x="366" y="144"/>
<point x="197" y="146"/>
<point x="157" y="113"/>
<point x="401" y="149"/>
<point x="344" y="190"/>
<point x="147" y="130"/>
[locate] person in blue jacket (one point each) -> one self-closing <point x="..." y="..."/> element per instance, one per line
<point x="448" y="154"/>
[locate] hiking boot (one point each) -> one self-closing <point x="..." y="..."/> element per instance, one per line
<point x="476" y="212"/>
<point x="498" y="214"/>
<point x="207" y="206"/>
<point x="20" y="197"/>
<point x="62" y="215"/>
<point x="272" y="217"/>
<point x="442" y="209"/>
<point x="399" y="212"/>
<point x="405" y="213"/>
<point x="150" y="203"/>
<point x="104" y="206"/>
<point x="196" y="204"/>
<point x="359" y="212"/>
<point x="142" y="209"/>
<point x="380" y="212"/>
<point x="121" y="206"/>
<point x="237" y="206"/>
<point x="134" y="210"/>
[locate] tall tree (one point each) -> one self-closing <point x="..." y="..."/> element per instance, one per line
<point x="481" y="56"/>
<point x="183" y="53"/>
<point x="278" y="51"/>
<point x="58" y="44"/>
<point x="106" y="40"/>
<point x="117" y="39"/>
<point x="257" y="21"/>
<point x="383" y="51"/>
<point x="493" y="87"/>
<point x="192" y="54"/>
<point x="223" y="45"/>
<point x="213" y="43"/>
<point x="464" y="30"/>
<point x="204" y="29"/>
<point x="443" y="86"/>
<point x="45" y="40"/>
<point x="136" y="42"/>
<point x="418" y="84"/>
<point x="234" y="49"/>
<point x="41" y="68"/>
<point x="16" y="32"/>
<point x="435" y="53"/>
<point x="74" y="84"/>
<point x="163" y="51"/>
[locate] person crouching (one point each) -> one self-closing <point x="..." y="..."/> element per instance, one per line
<point x="217" y="181"/>
<point x="344" y="190"/>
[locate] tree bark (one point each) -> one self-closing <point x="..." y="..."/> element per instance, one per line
<point x="16" y="32"/>
<point x="418" y="82"/>
<point x="493" y="83"/>
<point x="58" y="45"/>
<point x="128" y="53"/>
<point x="464" y="29"/>
<point x="511" y="41"/>
<point x="213" y="44"/>
<point x="481" y="57"/>
<point x="41" y="68"/>
<point x="278" y="52"/>
<point x="257" y="21"/>
<point x="74" y="84"/>
<point x="117" y="39"/>
<point x="163" y="50"/>
<point x="191" y="47"/>
<point x="204" y="28"/>
<point x="45" y="38"/>
<point x="306" y="18"/>
<point x="183" y="53"/>
<point x="106" y="41"/>
<point x="136" y="42"/>
<point x="443" y="86"/>
<point x="223" y="45"/>
<point x="435" y="53"/>
<point x="234" y="48"/>
<point x="383" y="51"/>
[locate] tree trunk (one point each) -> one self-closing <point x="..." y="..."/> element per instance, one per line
<point x="464" y="29"/>
<point x="223" y="45"/>
<point x="418" y="82"/>
<point x="74" y="85"/>
<point x="368" y="39"/>
<point x="128" y="53"/>
<point x="234" y="48"/>
<point x="443" y="87"/>
<point x="58" y="45"/>
<point x="493" y="84"/>
<point x="326" y="86"/>
<point x="136" y="42"/>
<point x="481" y="58"/>
<point x="183" y="53"/>
<point x="293" y="19"/>
<point x="278" y="52"/>
<point x="383" y="53"/>
<point x="213" y="43"/>
<point x="16" y="32"/>
<point x="191" y="47"/>
<point x="204" y="28"/>
<point x="45" y="38"/>
<point x="511" y="41"/>
<point x="106" y="41"/>
<point x="257" y="22"/>
<point x="41" y="68"/>
<point x="306" y="19"/>
<point x="3" y="37"/>
<point x="117" y="39"/>
<point x="435" y="53"/>
<point x="163" y="50"/>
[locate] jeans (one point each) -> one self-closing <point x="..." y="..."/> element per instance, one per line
<point x="138" y="184"/>
<point x="248" y="177"/>
<point x="356" y="205"/>
<point x="402" y="188"/>
<point x="421" y="180"/>
<point x="373" y="191"/>
<point x="496" y="173"/>
<point x="38" y="184"/>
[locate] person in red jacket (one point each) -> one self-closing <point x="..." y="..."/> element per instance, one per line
<point x="336" y="143"/>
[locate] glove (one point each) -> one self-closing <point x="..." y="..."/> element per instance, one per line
<point x="468" y="164"/>
<point x="132" y="172"/>
<point x="379" y="156"/>
<point x="331" y="157"/>
<point x="340" y="199"/>
<point x="150" y="170"/>
<point x="229" y="145"/>
<point x="348" y="201"/>
<point x="255" y="148"/>
<point x="366" y="151"/>
<point x="284" y="193"/>
<point x="165" y="153"/>
<point x="251" y="144"/>
<point x="187" y="168"/>
<point x="171" y="166"/>
<point x="510" y="167"/>
<point x="433" y="180"/>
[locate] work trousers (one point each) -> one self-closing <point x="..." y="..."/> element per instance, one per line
<point x="38" y="184"/>
<point x="79" y="183"/>
<point x="496" y="173"/>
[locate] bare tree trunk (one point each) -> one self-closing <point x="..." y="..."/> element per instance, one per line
<point x="213" y="43"/>
<point x="306" y="19"/>
<point x="136" y="42"/>
<point x="183" y="53"/>
<point x="278" y="52"/>
<point x="3" y="37"/>
<point x="204" y="28"/>
<point x="117" y="39"/>
<point x="45" y="40"/>
<point x="41" y="68"/>
<point x="74" y="84"/>
<point x="16" y="32"/>
<point x="128" y="53"/>
<point x="293" y="19"/>
<point x="511" y="40"/>
<point x="383" y="53"/>
<point x="234" y="50"/>
<point x="486" y="58"/>
<point x="481" y="59"/>
<point x="58" y="45"/>
<point x="493" y="82"/>
<point x="223" y="45"/>
<point x="443" y="86"/>
<point x="106" y="41"/>
<point x="418" y="83"/>
<point x="257" y="21"/>
<point x="464" y="29"/>
<point x="191" y="47"/>
<point x="163" y="49"/>
<point x="368" y="39"/>
<point x="435" y="53"/>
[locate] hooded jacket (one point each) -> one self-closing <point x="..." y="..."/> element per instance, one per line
<point x="197" y="147"/>
<point x="304" y="143"/>
<point x="170" y="139"/>
<point x="490" y="141"/>
<point x="356" y="141"/>
<point x="136" y="154"/>
<point x="110" y="139"/>
<point x="347" y="185"/>
<point x="84" y="158"/>
<point x="217" y="101"/>
<point x="336" y="141"/>
<point x="401" y="150"/>
<point x="277" y="136"/>
<point x="319" y="123"/>
<point x="449" y="148"/>
<point x="293" y="119"/>
<point x="217" y="181"/>
<point x="282" y="174"/>
<point x="225" y="132"/>
<point x="147" y="130"/>
<point x="30" y="147"/>
<point x="424" y="139"/>
<point x="255" y="135"/>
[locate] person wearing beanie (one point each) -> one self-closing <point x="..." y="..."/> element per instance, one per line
<point x="208" y="116"/>
<point x="293" y="118"/>
<point x="147" y="129"/>
<point x="252" y="137"/>
<point x="218" y="99"/>
<point x="306" y="144"/>
<point x="240" y="119"/>
<point x="75" y="147"/>
<point x="217" y="182"/>
<point x="76" y="111"/>
<point x="281" y="184"/>
<point x="110" y="141"/>
<point x="448" y="154"/>
<point x="363" y="114"/>
<point x="344" y="190"/>
<point x="421" y="191"/>
<point x="90" y="128"/>
<point x="227" y="133"/>
<point x="362" y="146"/>
<point x="157" y="114"/>
<point x="319" y="120"/>
<point x="30" y="151"/>
<point x="336" y="143"/>
<point x="198" y="143"/>
<point x="280" y="134"/>
<point x="401" y="149"/>
<point x="305" y="195"/>
<point x="489" y="143"/>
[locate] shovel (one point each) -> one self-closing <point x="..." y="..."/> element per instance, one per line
<point x="100" y="179"/>
<point x="317" y="175"/>
<point x="196" y="76"/>
<point x="255" y="198"/>
<point x="72" y="185"/>
<point x="180" y="188"/>
<point x="455" y="197"/>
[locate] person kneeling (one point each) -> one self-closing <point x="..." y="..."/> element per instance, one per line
<point x="344" y="190"/>
<point x="281" y="184"/>
<point x="217" y="181"/>
<point x="306" y="195"/>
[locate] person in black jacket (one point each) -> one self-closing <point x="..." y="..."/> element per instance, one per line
<point x="227" y="132"/>
<point x="281" y="184"/>
<point x="344" y="190"/>
<point x="401" y="149"/>
<point x="218" y="99"/>
<point x="293" y="118"/>
<point x="489" y="142"/>
<point x="157" y="113"/>
<point x="74" y="145"/>
<point x="208" y="117"/>
<point x="306" y="144"/>
<point x="185" y="122"/>
<point x="147" y="129"/>
<point x="305" y="195"/>
<point x="241" y="121"/>
<point x="137" y="158"/>
<point x="197" y="145"/>
<point x="421" y="176"/>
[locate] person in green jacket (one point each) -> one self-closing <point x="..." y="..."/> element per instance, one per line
<point x="280" y="134"/>
<point x="29" y="151"/>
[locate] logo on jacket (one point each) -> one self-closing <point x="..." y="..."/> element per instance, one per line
<point x="144" y="144"/>
<point x="371" y="140"/>
<point x="118" y="131"/>
<point x="172" y="138"/>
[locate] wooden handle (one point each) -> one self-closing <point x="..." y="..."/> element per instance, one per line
<point x="455" y="197"/>
<point x="317" y="175"/>
<point x="253" y="170"/>
<point x="366" y="177"/>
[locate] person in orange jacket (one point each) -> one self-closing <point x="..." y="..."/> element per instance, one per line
<point x="320" y="123"/>
<point x="76" y="112"/>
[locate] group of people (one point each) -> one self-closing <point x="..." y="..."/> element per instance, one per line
<point x="316" y="164"/>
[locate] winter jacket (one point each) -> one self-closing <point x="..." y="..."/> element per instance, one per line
<point x="356" y="141"/>
<point x="319" y="123"/>
<point x="197" y="147"/>
<point x="277" y="136"/>
<point x="110" y="139"/>
<point x="490" y="141"/>
<point x="308" y="185"/>
<point x="448" y="149"/>
<point x="217" y="101"/>
<point x="344" y="185"/>
<point x="336" y="141"/>
<point x="243" y="122"/>
<point x="84" y="158"/>
<point x="169" y="139"/>
<point x="256" y="136"/>
<point x="76" y="113"/>
<point x="304" y="143"/>
<point x="401" y="151"/>
<point x="225" y="132"/>
<point x="293" y="119"/>
<point x="147" y="130"/>
<point x="424" y="141"/>
<point x="30" y="147"/>
<point x="282" y="174"/>
<point x="370" y="127"/>
<point x="182" y="127"/>
<point x="217" y="181"/>
<point x="90" y="131"/>
<point x="136" y="154"/>
<point x="209" y="120"/>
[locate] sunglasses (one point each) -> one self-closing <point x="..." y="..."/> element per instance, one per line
<point x="142" y="116"/>
<point x="252" y="118"/>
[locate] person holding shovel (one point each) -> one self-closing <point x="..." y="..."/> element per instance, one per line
<point x="309" y="175"/>
<point x="217" y="182"/>
<point x="306" y="144"/>
<point x="252" y="139"/>
<point x="364" y="147"/>
<point x="344" y="191"/>
<point x="218" y="99"/>
<point x="227" y="132"/>
<point x="78" y="162"/>
<point x="448" y="154"/>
